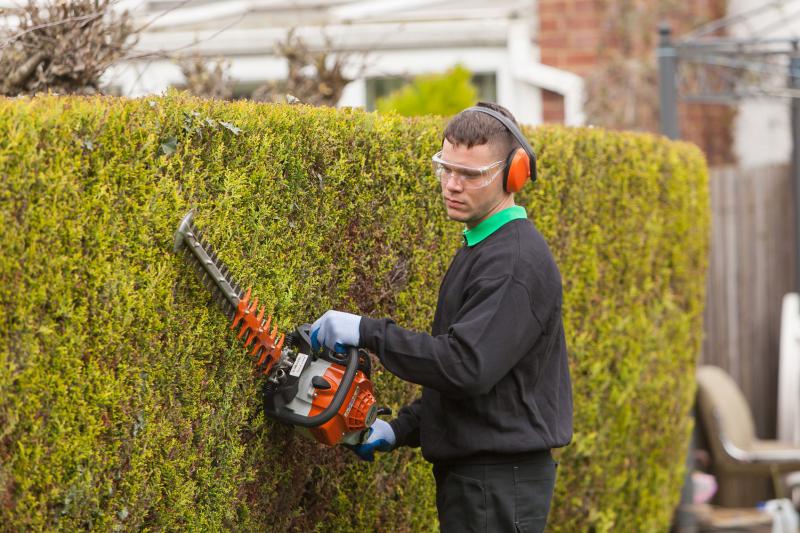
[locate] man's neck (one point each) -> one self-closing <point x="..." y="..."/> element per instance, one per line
<point x="505" y="203"/>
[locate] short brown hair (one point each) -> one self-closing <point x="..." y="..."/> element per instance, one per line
<point x="471" y="128"/>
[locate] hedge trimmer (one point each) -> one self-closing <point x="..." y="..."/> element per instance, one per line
<point x="327" y="393"/>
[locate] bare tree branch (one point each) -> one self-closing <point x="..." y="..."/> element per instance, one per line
<point x="169" y="54"/>
<point x="63" y="46"/>
<point x="315" y="77"/>
<point x="10" y="40"/>
<point x="179" y="5"/>
<point x="25" y="71"/>
<point x="205" y="79"/>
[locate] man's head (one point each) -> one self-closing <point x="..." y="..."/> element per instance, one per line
<point x="475" y="145"/>
<point x="472" y="128"/>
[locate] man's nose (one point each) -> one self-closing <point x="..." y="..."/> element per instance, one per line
<point x="453" y="183"/>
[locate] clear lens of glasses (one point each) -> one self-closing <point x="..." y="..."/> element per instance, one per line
<point x="471" y="177"/>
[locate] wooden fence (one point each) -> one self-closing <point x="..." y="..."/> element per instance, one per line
<point x="751" y="268"/>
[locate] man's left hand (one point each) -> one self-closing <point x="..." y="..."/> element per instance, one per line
<point x="335" y="330"/>
<point x="381" y="438"/>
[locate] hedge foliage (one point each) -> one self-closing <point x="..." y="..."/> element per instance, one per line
<point x="127" y="404"/>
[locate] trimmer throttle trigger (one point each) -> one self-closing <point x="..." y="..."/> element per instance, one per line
<point x="364" y="362"/>
<point x="384" y="411"/>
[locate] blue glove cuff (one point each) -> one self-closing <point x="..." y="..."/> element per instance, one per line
<point x="367" y="451"/>
<point x="315" y="345"/>
<point x="314" y="341"/>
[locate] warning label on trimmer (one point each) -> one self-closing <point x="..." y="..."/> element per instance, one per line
<point x="298" y="365"/>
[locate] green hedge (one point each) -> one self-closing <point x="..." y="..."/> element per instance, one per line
<point x="127" y="404"/>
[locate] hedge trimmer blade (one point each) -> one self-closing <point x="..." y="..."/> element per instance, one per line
<point x="253" y="328"/>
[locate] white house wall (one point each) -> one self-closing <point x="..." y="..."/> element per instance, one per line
<point x="391" y="37"/>
<point x="364" y="37"/>
<point x="523" y="99"/>
<point x="762" y="133"/>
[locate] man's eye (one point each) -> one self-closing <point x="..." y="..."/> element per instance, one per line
<point x="471" y="175"/>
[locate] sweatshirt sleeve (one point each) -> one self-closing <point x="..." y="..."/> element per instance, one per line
<point x="406" y="425"/>
<point x="494" y="328"/>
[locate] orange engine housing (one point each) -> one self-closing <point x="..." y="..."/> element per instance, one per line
<point x="358" y="410"/>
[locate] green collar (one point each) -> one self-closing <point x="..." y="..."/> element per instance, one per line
<point x="493" y="223"/>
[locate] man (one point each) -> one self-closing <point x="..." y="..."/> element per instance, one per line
<point x="496" y="392"/>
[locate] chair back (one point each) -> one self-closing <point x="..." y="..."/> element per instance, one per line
<point x="724" y="409"/>
<point x="789" y="371"/>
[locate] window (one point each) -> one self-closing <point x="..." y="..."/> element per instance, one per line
<point x="485" y="83"/>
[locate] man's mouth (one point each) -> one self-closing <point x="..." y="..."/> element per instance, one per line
<point x="453" y="203"/>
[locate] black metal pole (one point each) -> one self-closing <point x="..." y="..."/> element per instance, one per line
<point x="667" y="82"/>
<point x="684" y="519"/>
<point x="794" y="83"/>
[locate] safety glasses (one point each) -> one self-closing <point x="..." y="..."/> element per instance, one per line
<point x="470" y="177"/>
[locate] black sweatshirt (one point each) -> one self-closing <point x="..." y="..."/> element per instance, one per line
<point x="494" y="371"/>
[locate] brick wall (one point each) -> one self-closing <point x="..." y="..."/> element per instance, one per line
<point x="569" y="33"/>
<point x="587" y="36"/>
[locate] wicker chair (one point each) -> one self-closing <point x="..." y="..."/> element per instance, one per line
<point x="736" y="453"/>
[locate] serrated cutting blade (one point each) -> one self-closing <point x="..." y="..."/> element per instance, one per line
<point x="254" y="329"/>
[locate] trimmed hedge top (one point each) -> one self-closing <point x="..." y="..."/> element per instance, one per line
<point x="127" y="404"/>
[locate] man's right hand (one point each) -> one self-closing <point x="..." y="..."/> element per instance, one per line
<point x="381" y="438"/>
<point x="335" y="330"/>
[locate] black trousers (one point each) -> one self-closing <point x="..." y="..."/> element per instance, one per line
<point x="489" y="498"/>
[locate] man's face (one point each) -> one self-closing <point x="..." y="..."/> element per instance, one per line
<point x="472" y="206"/>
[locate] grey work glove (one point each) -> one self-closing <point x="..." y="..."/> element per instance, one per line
<point x="335" y="330"/>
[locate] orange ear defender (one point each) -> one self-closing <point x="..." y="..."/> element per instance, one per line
<point x="521" y="162"/>
<point x="517" y="171"/>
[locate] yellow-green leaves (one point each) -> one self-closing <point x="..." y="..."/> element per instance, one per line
<point x="125" y="401"/>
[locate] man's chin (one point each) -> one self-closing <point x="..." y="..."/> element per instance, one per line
<point x="458" y="216"/>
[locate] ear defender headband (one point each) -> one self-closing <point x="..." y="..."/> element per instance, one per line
<point x="521" y="162"/>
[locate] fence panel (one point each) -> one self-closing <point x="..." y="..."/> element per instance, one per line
<point x="751" y="268"/>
